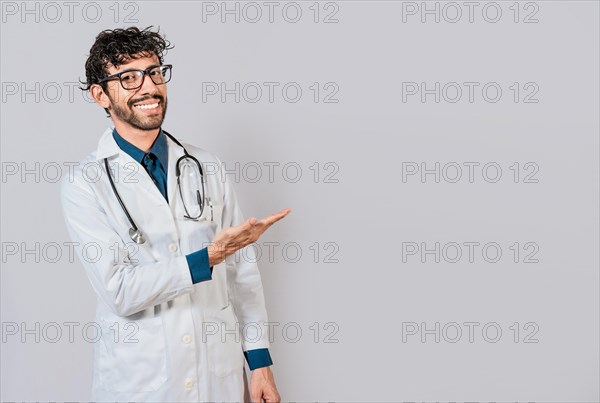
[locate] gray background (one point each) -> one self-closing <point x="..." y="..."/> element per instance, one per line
<point x="362" y="302"/>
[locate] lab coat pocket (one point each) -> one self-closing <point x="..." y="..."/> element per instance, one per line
<point x="225" y="355"/>
<point x="196" y="235"/>
<point x="132" y="354"/>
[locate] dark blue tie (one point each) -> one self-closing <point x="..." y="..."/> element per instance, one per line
<point x="154" y="169"/>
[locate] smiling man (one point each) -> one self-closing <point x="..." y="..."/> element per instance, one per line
<point x="178" y="312"/>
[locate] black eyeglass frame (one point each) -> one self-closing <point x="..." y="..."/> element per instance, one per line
<point x="144" y="73"/>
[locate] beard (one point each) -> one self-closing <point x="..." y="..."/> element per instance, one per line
<point x="139" y="119"/>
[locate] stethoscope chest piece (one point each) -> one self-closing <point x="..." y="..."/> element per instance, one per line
<point x="136" y="236"/>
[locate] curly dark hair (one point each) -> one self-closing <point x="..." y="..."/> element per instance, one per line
<point x="118" y="46"/>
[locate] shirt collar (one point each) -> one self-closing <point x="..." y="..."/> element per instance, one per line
<point x="159" y="148"/>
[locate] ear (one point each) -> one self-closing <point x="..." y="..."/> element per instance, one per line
<point x="100" y="96"/>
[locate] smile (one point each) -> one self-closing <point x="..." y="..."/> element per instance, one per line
<point x="147" y="106"/>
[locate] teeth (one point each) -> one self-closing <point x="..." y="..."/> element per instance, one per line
<point x="149" y="106"/>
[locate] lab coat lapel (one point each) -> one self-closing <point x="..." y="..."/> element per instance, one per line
<point x="175" y="152"/>
<point x="130" y="172"/>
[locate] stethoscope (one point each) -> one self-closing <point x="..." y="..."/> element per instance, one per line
<point x="134" y="232"/>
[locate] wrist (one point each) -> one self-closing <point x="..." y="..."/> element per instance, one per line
<point x="215" y="255"/>
<point x="263" y="372"/>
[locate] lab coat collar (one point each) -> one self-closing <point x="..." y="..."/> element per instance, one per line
<point x="107" y="146"/>
<point x="158" y="148"/>
<point x="175" y="152"/>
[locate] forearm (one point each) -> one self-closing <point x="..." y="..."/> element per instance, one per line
<point x="127" y="277"/>
<point x="127" y="288"/>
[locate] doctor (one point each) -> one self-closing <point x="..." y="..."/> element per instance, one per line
<point x="179" y="313"/>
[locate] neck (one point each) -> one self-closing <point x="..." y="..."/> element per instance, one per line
<point x="142" y="139"/>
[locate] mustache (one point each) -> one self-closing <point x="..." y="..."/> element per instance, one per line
<point x="157" y="97"/>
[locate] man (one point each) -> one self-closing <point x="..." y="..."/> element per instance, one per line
<point x="157" y="237"/>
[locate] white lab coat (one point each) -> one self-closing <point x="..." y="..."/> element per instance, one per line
<point x="163" y="338"/>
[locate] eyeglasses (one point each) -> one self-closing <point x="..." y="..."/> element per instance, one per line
<point x="134" y="79"/>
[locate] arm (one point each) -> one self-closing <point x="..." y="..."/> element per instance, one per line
<point x="243" y="277"/>
<point x="124" y="287"/>
<point x="246" y="290"/>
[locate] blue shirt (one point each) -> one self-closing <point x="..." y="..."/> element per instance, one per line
<point x="156" y="164"/>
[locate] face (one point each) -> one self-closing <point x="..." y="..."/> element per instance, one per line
<point x="143" y="108"/>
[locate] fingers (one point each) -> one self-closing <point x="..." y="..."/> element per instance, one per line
<point x="271" y="395"/>
<point x="267" y="221"/>
<point x="256" y="396"/>
<point x="273" y="218"/>
<point x="249" y="231"/>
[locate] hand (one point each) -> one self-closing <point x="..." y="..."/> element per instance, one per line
<point x="231" y="239"/>
<point x="262" y="386"/>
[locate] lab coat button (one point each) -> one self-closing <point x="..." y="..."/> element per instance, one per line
<point x="187" y="339"/>
<point x="188" y="383"/>
<point x="173" y="247"/>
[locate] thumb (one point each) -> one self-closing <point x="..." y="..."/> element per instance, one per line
<point x="256" y="396"/>
<point x="248" y="223"/>
<point x="271" y="397"/>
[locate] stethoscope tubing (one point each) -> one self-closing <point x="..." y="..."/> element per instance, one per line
<point x="134" y="231"/>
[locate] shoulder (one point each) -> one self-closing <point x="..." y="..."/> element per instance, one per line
<point x="81" y="175"/>
<point x="208" y="159"/>
<point x="217" y="171"/>
<point x="199" y="151"/>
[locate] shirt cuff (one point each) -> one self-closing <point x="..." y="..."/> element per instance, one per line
<point x="258" y="358"/>
<point x="199" y="266"/>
